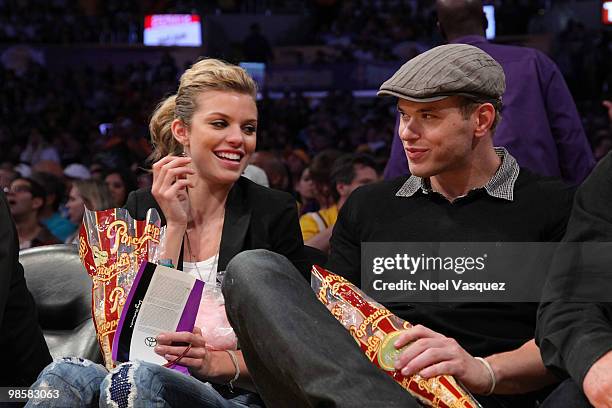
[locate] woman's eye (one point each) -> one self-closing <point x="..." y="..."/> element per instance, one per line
<point x="218" y="124"/>
<point x="250" y="129"/>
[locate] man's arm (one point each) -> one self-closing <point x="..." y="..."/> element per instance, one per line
<point x="431" y="354"/>
<point x="576" y="337"/>
<point x="345" y="243"/>
<point x="21" y="338"/>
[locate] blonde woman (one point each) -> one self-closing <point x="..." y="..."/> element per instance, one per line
<point x="203" y="138"/>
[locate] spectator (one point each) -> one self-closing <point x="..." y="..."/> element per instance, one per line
<point x="541" y="126"/>
<point x="38" y="149"/>
<point x="7" y="175"/>
<point x="346" y="174"/>
<point x="120" y="183"/>
<point x="305" y="190"/>
<point x="49" y="214"/>
<point x="93" y="195"/>
<point x="275" y="169"/>
<point x="26" y="199"/>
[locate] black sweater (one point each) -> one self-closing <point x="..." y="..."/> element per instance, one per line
<point x="374" y="213"/>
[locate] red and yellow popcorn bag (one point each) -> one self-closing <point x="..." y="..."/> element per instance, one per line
<point x="375" y="329"/>
<point x="112" y="246"/>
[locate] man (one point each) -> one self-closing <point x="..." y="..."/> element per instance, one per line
<point x="461" y="189"/>
<point x="25" y="350"/>
<point x="26" y="198"/>
<point x="49" y="215"/>
<point x="575" y="336"/>
<point x="541" y="126"/>
<point x="346" y="174"/>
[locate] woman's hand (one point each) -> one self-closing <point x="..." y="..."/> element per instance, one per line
<point x="170" y="182"/>
<point x="431" y="354"/>
<point x="197" y="359"/>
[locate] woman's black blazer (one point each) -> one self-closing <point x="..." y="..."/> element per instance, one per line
<point x="256" y="217"/>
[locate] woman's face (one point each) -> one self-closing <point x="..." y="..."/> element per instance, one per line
<point x="305" y="186"/>
<point x="76" y="206"/>
<point x="222" y="135"/>
<point x="115" y="184"/>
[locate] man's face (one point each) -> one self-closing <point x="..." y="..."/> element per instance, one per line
<point x="20" y="199"/>
<point x="437" y="139"/>
<point x="363" y="175"/>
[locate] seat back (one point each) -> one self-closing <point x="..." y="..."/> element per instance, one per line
<point x="62" y="291"/>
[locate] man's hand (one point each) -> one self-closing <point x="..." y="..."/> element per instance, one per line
<point x="597" y="384"/>
<point x="431" y="354"/>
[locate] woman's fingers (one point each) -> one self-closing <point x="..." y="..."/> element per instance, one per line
<point x="167" y="174"/>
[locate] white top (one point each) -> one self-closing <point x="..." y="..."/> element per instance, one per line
<point x="207" y="268"/>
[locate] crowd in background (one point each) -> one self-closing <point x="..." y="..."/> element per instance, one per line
<point x="85" y="123"/>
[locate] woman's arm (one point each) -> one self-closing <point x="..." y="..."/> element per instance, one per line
<point x="206" y="365"/>
<point x="169" y="188"/>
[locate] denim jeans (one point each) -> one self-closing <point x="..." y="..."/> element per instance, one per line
<point x="566" y="395"/>
<point x="133" y="384"/>
<point x="297" y="353"/>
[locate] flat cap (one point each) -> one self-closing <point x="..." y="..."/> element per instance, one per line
<point x="447" y="70"/>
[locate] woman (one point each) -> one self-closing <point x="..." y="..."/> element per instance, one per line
<point x="90" y="194"/>
<point x="120" y="183"/>
<point x="203" y="137"/>
<point x="306" y="193"/>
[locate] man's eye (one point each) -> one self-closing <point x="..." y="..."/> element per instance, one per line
<point x="428" y="116"/>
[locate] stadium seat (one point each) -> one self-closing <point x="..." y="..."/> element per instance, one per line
<point x="62" y="291"/>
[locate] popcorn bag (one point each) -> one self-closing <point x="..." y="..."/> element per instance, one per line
<point x="375" y="329"/>
<point x="112" y="246"/>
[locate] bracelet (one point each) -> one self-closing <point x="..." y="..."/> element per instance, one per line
<point x="491" y="374"/>
<point x="234" y="359"/>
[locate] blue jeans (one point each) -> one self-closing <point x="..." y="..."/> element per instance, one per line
<point x="133" y="384"/>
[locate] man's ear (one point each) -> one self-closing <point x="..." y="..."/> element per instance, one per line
<point x="180" y="131"/>
<point x="37" y="203"/>
<point x="484" y="117"/>
<point x="342" y="189"/>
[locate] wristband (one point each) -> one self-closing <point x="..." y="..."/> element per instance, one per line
<point x="491" y="374"/>
<point x="166" y="262"/>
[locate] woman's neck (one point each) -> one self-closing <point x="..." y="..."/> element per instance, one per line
<point x="207" y="201"/>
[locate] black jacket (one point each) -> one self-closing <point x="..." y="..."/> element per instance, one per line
<point x="21" y="340"/>
<point x="573" y="335"/>
<point x="256" y="217"/>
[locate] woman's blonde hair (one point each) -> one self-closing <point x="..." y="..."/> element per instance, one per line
<point x="95" y="194"/>
<point x="205" y="75"/>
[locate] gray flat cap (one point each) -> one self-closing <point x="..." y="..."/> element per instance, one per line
<point x="447" y="70"/>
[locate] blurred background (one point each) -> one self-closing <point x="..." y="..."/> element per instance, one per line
<point x="80" y="78"/>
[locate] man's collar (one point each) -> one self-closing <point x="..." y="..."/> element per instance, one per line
<point x="501" y="185"/>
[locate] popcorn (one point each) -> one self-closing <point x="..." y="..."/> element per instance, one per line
<point x="375" y="329"/>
